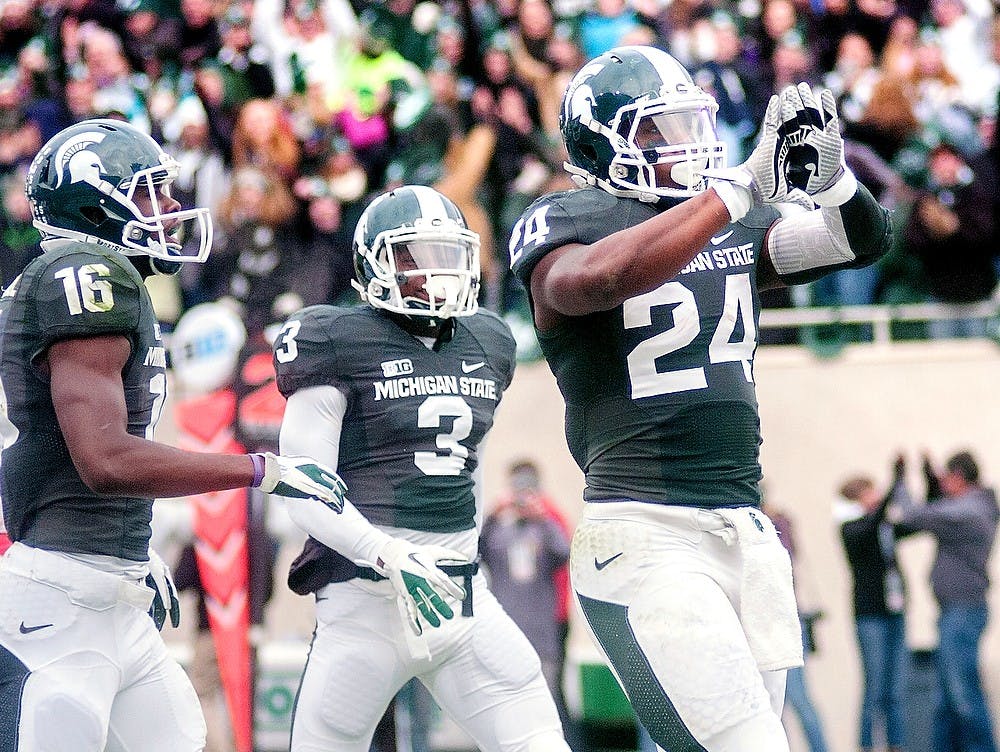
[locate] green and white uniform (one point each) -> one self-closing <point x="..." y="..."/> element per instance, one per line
<point x="402" y="422"/>
<point x="662" y="418"/>
<point x="80" y="659"/>
<point x="659" y="392"/>
<point x="77" y="291"/>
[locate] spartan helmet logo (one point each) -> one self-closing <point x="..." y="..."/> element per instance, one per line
<point x="580" y="103"/>
<point x="83" y="165"/>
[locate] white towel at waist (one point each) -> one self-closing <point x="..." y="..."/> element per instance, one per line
<point x="768" y="610"/>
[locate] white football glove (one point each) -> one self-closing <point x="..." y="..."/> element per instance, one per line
<point x="303" y="478"/>
<point x="165" y="600"/>
<point x="759" y="177"/>
<point x="799" y="147"/>
<point x="418" y="582"/>
<point x="811" y="149"/>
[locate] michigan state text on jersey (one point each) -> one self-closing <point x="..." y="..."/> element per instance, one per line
<point x="643" y="289"/>
<point x="399" y="395"/>
<point x="660" y="402"/>
<point x="416" y="416"/>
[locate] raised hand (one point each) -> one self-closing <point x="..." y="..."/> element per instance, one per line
<point x="760" y="175"/>
<point x="799" y="148"/>
<point x="810" y="148"/>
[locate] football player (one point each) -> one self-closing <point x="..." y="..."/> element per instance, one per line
<point x="643" y="285"/>
<point x="398" y="395"/>
<point x="82" y="383"/>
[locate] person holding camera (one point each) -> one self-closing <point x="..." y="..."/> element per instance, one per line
<point x="524" y="545"/>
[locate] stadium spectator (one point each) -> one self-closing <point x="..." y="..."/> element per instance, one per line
<point x="200" y="39"/>
<point x="961" y="514"/>
<point x="879" y="603"/>
<point x="606" y="26"/>
<point x="723" y="73"/>
<point x="18" y="238"/>
<point x="116" y="92"/>
<point x="324" y="242"/>
<point x="306" y="42"/>
<point x="241" y="62"/>
<point x="952" y="231"/>
<point x="853" y="76"/>
<point x="152" y="36"/>
<point x="255" y="261"/>
<point x="20" y="134"/>
<point x="263" y="139"/>
<point x="524" y="545"/>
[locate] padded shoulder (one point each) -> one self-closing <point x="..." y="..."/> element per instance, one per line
<point x="580" y="216"/>
<point x="307" y="350"/>
<point x="496" y="339"/>
<point x="83" y="290"/>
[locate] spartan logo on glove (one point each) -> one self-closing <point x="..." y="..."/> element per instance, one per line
<point x="810" y="153"/>
<point x="799" y="158"/>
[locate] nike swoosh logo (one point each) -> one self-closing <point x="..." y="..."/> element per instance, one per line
<point x="470" y="367"/>
<point x="721" y="238"/>
<point x="599" y="565"/>
<point x="29" y="630"/>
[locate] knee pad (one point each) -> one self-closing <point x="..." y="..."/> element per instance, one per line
<point x="759" y="733"/>
<point x="548" y="742"/>
<point x="63" y="723"/>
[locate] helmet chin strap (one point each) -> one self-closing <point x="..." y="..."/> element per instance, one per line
<point x="444" y="287"/>
<point x="686" y="174"/>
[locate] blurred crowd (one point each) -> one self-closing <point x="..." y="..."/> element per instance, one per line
<point x="288" y="115"/>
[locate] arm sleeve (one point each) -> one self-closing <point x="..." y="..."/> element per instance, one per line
<point x="311" y="426"/>
<point x="809" y="245"/>
<point x="939" y="519"/>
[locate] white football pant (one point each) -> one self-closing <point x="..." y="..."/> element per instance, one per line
<point x="82" y="667"/>
<point x="482" y="671"/>
<point x="661" y="591"/>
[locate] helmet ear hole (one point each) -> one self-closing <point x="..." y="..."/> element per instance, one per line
<point x="93" y="214"/>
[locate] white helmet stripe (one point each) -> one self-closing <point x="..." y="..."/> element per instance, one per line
<point x="665" y="65"/>
<point x="431" y="205"/>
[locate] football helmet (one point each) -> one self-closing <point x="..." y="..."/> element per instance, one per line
<point x="631" y="109"/>
<point x="101" y="181"/>
<point x="414" y="255"/>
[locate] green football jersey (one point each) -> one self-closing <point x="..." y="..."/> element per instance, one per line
<point x="659" y="392"/>
<point x="415" y="416"/>
<point x="76" y="291"/>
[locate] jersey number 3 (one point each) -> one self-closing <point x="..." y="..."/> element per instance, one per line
<point x="429" y="415"/>
<point x="646" y="380"/>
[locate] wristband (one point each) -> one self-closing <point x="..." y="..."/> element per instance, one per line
<point x="737" y="198"/>
<point x="259" y="465"/>
<point x="842" y="191"/>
